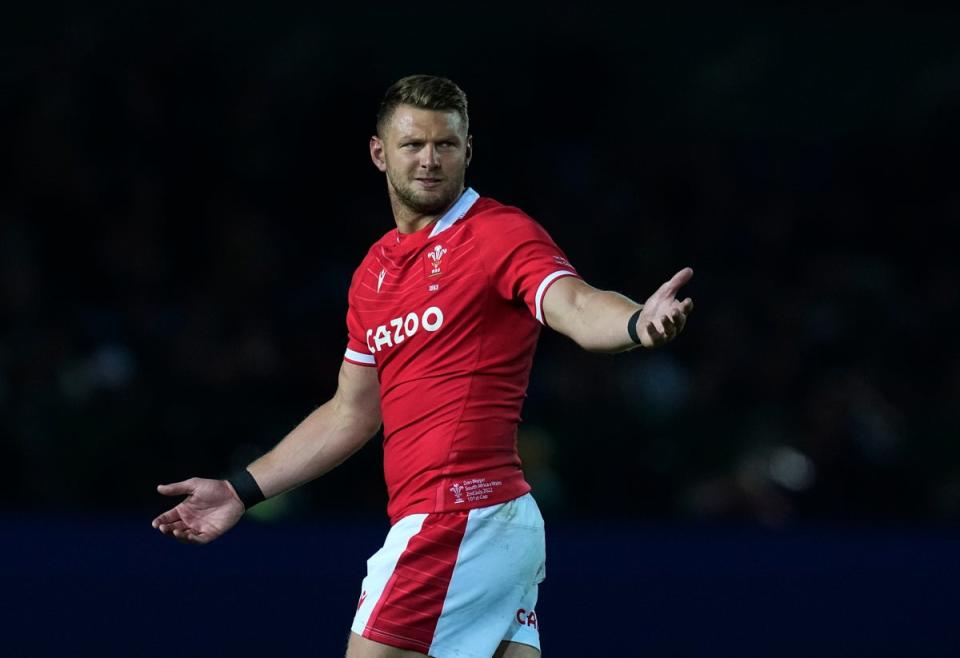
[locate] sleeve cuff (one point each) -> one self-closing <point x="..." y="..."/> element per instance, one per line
<point x="542" y="290"/>
<point x="359" y="358"/>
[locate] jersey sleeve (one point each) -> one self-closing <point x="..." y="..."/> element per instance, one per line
<point x="526" y="262"/>
<point x="357" y="351"/>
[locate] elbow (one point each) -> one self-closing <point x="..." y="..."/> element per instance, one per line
<point x="585" y="343"/>
<point x="369" y="424"/>
<point x="372" y="429"/>
<point x="591" y="344"/>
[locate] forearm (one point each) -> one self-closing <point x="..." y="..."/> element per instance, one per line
<point x="603" y="321"/>
<point x="598" y="321"/>
<point x="323" y="440"/>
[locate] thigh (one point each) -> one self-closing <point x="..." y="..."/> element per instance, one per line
<point x="361" y="647"/>
<point x="516" y="650"/>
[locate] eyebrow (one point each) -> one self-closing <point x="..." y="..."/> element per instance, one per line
<point x="419" y="138"/>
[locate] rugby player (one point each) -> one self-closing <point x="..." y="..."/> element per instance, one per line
<point x="444" y="314"/>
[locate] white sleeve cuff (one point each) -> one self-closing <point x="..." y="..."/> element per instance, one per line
<point x="547" y="280"/>
<point x="359" y="357"/>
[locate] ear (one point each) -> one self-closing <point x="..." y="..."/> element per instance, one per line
<point x="376" y="153"/>
<point x="469" y="150"/>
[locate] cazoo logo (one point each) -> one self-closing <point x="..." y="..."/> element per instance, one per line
<point x="399" y="329"/>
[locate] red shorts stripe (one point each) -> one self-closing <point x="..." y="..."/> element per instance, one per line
<point x="408" y="610"/>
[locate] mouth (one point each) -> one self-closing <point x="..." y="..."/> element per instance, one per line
<point x="429" y="183"/>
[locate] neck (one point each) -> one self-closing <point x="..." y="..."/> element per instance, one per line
<point x="411" y="221"/>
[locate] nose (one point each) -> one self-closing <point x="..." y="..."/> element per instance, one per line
<point x="428" y="157"/>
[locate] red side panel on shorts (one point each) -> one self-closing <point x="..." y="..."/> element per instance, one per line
<point x="408" y="610"/>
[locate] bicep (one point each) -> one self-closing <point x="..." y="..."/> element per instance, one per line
<point x="358" y="393"/>
<point x="563" y="304"/>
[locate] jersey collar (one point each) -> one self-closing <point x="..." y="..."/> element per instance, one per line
<point x="456" y="212"/>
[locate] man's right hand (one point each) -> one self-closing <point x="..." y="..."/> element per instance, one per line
<point x="211" y="507"/>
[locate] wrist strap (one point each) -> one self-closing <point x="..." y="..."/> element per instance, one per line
<point x="247" y="488"/>
<point x="632" y="326"/>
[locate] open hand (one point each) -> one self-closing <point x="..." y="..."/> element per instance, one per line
<point x="663" y="316"/>
<point x="209" y="510"/>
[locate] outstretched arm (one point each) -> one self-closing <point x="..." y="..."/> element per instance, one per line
<point x="597" y="319"/>
<point x="327" y="437"/>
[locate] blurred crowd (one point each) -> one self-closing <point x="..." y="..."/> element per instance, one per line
<point x="182" y="210"/>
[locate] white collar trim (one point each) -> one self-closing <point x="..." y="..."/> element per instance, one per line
<point x="456" y="212"/>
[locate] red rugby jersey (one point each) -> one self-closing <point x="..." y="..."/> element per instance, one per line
<point x="450" y="317"/>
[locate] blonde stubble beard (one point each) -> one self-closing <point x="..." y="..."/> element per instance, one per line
<point x="406" y="197"/>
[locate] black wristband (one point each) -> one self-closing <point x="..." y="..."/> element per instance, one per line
<point x="247" y="488"/>
<point x="632" y="326"/>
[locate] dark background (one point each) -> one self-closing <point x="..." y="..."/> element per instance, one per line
<point x="185" y="192"/>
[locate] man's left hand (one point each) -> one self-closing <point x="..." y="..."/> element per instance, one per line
<point x="663" y="316"/>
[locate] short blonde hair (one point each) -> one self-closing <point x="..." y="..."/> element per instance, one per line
<point x="428" y="92"/>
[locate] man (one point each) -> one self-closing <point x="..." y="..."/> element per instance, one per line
<point x="444" y="314"/>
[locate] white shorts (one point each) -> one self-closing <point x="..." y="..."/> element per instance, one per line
<point x="456" y="584"/>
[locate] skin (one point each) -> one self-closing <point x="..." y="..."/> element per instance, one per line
<point x="597" y="319"/>
<point x="424" y="155"/>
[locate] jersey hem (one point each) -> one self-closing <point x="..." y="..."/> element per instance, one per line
<point x="519" y="481"/>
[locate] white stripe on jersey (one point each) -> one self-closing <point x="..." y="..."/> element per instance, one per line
<point x="381" y="565"/>
<point x="360" y="357"/>
<point x="543" y="288"/>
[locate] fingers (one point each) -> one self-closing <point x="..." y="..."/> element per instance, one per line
<point x="652" y="335"/>
<point x="666" y="293"/>
<point x="192" y="537"/>
<point x="177" y="488"/>
<point x="183" y="533"/>
<point x="171" y="523"/>
<point x="178" y="529"/>
<point x="676" y="282"/>
<point x="660" y="336"/>
<point x="679" y="319"/>
<point x="171" y="527"/>
<point x="168" y="517"/>
<point x="668" y="326"/>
